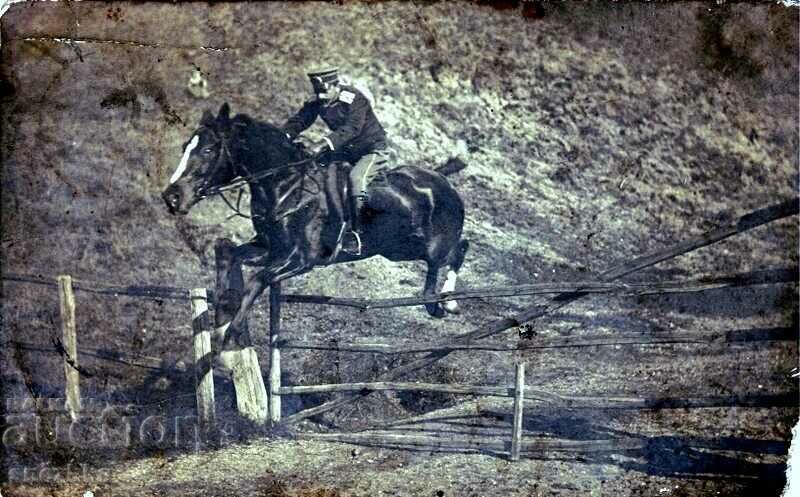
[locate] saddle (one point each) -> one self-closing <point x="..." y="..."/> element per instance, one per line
<point x="337" y="186"/>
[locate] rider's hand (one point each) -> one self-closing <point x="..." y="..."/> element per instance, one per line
<point x="318" y="148"/>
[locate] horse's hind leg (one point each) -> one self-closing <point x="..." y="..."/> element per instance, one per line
<point x="453" y="258"/>
<point x="434" y="309"/>
<point x="454" y="261"/>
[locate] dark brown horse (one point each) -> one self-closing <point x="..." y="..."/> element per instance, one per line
<point x="412" y="214"/>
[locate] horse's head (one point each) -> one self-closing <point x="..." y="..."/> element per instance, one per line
<point x="206" y="163"/>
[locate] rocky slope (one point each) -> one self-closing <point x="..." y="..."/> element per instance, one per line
<point x="592" y="133"/>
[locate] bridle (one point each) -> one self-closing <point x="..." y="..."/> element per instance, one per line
<point x="203" y="191"/>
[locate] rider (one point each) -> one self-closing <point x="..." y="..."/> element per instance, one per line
<point x="356" y="137"/>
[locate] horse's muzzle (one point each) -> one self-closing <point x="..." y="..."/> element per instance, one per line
<point x="172" y="197"/>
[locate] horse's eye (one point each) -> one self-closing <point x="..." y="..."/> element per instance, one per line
<point x="208" y="151"/>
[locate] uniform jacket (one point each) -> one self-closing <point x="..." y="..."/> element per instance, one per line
<point x="355" y="129"/>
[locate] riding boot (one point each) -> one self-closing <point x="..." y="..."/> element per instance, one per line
<point x="352" y="244"/>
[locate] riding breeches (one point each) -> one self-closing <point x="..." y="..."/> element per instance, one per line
<point x="365" y="170"/>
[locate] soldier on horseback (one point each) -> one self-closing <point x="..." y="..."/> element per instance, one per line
<point x="356" y="137"/>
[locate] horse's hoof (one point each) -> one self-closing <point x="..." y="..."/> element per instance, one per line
<point x="435" y="311"/>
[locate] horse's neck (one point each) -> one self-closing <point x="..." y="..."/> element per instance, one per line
<point x="260" y="153"/>
<point x="273" y="192"/>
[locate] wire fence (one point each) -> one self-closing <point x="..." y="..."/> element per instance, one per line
<point x="251" y="402"/>
<point x="143" y="291"/>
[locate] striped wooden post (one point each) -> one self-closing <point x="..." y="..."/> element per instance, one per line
<point x="274" y="352"/>
<point x="519" y="399"/>
<point x="203" y="359"/>
<point x="66" y="301"/>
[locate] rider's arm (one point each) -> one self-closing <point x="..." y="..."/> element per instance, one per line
<point x="301" y="121"/>
<point x="357" y="114"/>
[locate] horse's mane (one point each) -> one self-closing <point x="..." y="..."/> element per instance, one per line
<point x="255" y="138"/>
<point x="255" y="124"/>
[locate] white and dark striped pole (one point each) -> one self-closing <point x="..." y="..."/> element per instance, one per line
<point x="203" y="359"/>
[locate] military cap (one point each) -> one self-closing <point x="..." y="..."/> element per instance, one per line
<point x="320" y="76"/>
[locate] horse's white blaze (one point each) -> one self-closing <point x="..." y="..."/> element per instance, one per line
<point x="449" y="286"/>
<point x="184" y="160"/>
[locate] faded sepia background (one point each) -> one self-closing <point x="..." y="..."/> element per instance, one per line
<point x="593" y="133"/>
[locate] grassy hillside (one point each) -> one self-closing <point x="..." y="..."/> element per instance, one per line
<point x="592" y="133"/>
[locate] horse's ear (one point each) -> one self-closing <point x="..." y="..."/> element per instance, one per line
<point x="224" y="115"/>
<point x="207" y="118"/>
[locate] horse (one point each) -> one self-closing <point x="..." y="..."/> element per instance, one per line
<point x="412" y="214"/>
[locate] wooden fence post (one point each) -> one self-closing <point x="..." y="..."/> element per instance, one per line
<point x="274" y="352"/>
<point x="519" y="399"/>
<point x="241" y="358"/>
<point x="66" y="300"/>
<point x="203" y="359"/>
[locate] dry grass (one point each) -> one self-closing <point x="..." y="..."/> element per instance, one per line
<point x="592" y="134"/>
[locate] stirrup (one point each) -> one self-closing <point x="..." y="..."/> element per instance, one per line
<point x="340" y="242"/>
<point x="358" y="244"/>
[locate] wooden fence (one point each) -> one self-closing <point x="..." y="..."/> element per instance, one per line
<point x="257" y="401"/>
<point x="474" y="340"/>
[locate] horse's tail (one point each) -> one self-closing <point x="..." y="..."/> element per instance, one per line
<point x="452" y="166"/>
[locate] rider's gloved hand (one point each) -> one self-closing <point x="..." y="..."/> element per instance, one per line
<point x="320" y="147"/>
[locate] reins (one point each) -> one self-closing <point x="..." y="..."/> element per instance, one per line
<point x="236" y="210"/>
<point x="241" y="181"/>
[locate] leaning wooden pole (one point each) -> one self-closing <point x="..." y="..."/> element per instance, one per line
<point x="519" y="401"/>
<point x="203" y="359"/>
<point x="66" y="300"/>
<point x="274" y="352"/>
<point x="742" y="224"/>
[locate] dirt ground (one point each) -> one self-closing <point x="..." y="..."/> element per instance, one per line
<point x="592" y="133"/>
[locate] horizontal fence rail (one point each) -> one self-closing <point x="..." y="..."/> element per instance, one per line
<point x="476" y="442"/>
<point x="620" y="402"/>
<point x="628" y="289"/>
<point x="453" y="388"/>
<point x="787" y="399"/>
<point x="631" y="338"/>
<point x="550" y="399"/>
<point x="765" y="277"/>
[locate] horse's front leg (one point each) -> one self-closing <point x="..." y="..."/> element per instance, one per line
<point x="279" y="270"/>
<point x="255" y="287"/>
<point x="230" y="281"/>
<point x="242" y="360"/>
